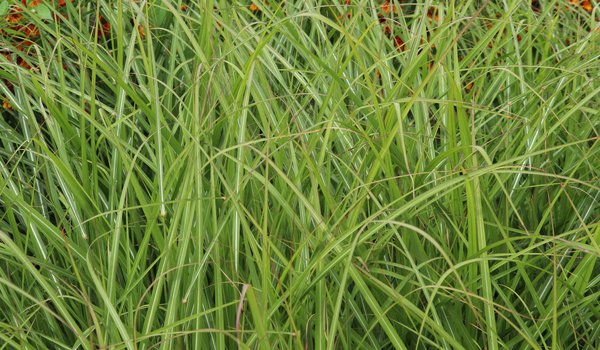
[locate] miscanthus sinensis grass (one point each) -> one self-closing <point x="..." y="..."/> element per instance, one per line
<point x="299" y="174"/>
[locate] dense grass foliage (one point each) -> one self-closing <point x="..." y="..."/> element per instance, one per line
<point x="300" y="174"/>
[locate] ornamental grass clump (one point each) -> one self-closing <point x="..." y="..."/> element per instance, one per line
<point x="299" y="174"/>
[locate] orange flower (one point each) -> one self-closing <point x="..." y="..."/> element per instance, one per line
<point x="7" y="55"/>
<point x="432" y="13"/>
<point x="469" y="87"/>
<point x="587" y="5"/>
<point x="184" y="7"/>
<point x="399" y="43"/>
<point x="104" y="28"/>
<point x="387" y="30"/>
<point x="35" y="3"/>
<point x="253" y="7"/>
<point x="21" y="62"/>
<point x="30" y="31"/>
<point x="348" y="15"/>
<point x="14" y="18"/>
<point x="141" y="31"/>
<point x="62" y="3"/>
<point x="387" y="7"/>
<point x="6" y="104"/>
<point x="24" y="43"/>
